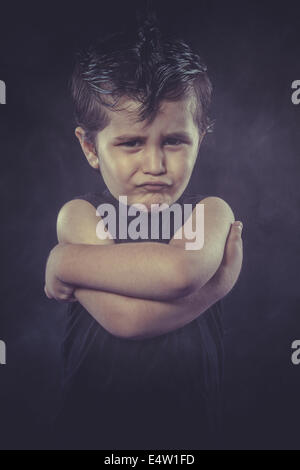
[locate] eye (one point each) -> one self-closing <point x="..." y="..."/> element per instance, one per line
<point x="173" y="142"/>
<point x="130" y="143"/>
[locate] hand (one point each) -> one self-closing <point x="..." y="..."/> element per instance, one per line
<point x="55" y="288"/>
<point x="229" y="270"/>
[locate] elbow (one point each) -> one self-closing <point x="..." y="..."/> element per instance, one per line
<point x="119" y="329"/>
<point x="193" y="274"/>
<point x="121" y="326"/>
<point x="125" y="335"/>
<point x="185" y="276"/>
<point x="133" y="333"/>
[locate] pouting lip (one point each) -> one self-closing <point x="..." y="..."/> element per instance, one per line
<point x="154" y="188"/>
<point x="154" y="183"/>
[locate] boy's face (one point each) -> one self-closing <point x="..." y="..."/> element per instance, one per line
<point x="131" y="154"/>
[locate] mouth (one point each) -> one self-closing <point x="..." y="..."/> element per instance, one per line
<point x="154" y="187"/>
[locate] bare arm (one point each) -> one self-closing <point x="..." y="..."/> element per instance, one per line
<point x="138" y="318"/>
<point x="144" y="270"/>
<point x="149" y="270"/>
<point x="132" y="318"/>
<point x="203" y="254"/>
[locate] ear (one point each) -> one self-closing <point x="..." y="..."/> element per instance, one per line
<point x="201" y="137"/>
<point x="87" y="147"/>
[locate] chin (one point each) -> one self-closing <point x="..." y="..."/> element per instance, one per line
<point x="154" y="198"/>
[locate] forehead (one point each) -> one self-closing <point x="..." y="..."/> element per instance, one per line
<point x="172" y="115"/>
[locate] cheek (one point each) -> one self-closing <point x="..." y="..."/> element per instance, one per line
<point x="121" y="166"/>
<point x="180" y="164"/>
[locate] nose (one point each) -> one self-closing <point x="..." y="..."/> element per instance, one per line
<point x="154" y="161"/>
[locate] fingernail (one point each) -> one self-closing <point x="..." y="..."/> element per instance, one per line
<point x="239" y="225"/>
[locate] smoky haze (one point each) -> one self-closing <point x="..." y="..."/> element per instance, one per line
<point x="251" y="161"/>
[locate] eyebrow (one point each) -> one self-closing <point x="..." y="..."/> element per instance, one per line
<point x="174" y="135"/>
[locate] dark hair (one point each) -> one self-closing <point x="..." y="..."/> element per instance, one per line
<point x="142" y="65"/>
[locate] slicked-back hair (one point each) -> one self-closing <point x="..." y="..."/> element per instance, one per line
<point x="143" y="66"/>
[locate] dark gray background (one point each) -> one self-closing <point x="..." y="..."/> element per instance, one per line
<point x="252" y="161"/>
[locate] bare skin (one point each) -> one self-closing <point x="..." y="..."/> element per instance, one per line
<point x="136" y="318"/>
<point x="162" y="286"/>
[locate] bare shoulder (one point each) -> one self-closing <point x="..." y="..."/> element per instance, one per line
<point x="76" y="223"/>
<point x="214" y="222"/>
<point x="216" y="208"/>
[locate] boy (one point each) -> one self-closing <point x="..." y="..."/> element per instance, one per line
<point x="147" y="313"/>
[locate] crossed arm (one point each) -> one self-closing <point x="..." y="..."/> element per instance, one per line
<point x="137" y="294"/>
<point x="134" y="318"/>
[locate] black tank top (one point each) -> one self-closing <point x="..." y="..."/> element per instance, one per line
<point x="155" y="393"/>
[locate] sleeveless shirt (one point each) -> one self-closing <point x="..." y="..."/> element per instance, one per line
<point x="163" y="392"/>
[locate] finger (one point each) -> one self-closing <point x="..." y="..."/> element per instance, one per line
<point x="239" y="224"/>
<point x="66" y="298"/>
<point x="236" y="230"/>
<point x="71" y="298"/>
<point x="233" y="252"/>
